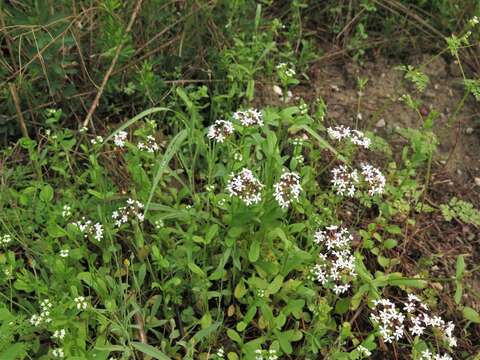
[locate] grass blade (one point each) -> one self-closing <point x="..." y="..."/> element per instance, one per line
<point x="163" y="162"/>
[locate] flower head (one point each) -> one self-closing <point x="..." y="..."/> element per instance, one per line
<point x="374" y="179"/>
<point x="133" y="210"/>
<point x="245" y="186"/>
<point x="220" y="130"/>
<point x="344" y="181"/>
<point x="345" y="133"/>
<point x="120" y="138"/>
<point x="150" y="145"/>
<point x="90" y="229"/>
<point x="287" y="189"/>
<point x="336" y="266"/>
<point x="249" y="117"/>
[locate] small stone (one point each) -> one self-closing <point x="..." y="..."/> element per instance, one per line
<point x="335" y="87"/>
<point x="477" y="181"/>
<point x="437" y="286"/>
<point x="469" y="131"/>
<point x="289" y="95"/>
<point x="277" y="90"/>
<point x="380" y="123"/>
<point x="459" y="172"/>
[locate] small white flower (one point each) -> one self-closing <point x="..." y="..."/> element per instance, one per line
<point x="374" y="178"/>
<point x="97" y="140"/>
<point x="120" y="138"/>
<point x="58" y="353"/>
<point x="5" y="239"/>
<point x="80" y="302"/>
<point x="237" y="157"/>
<point x="344" y="181"/>
<point x="133" y="209"/>
<point x="59" y="334"/>
<point x="249" y="117"/>
<point x="209" y="188"/>
<point x="150" y="145"/>
<point x="64" y="253"/>
<point x="66" y="211"/>
<point x="159" y="224"/>
<point x="260" y="292"/>
<point x="357" y="137"/>
<point x="245" y="186"/>
<point x="220" y="353"/>
<point x="220" y="130"/>
<point x="363" y="350"/>
<point x="89" y="229"/>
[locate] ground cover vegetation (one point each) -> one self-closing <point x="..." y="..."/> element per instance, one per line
<point x="152" y="206"/>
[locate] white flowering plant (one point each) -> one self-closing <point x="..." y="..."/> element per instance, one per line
<point x="259" y="233"/>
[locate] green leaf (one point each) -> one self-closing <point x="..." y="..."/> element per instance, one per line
<point x="390" y="243"/>
<point x="254" y="252"/>
<point x="13" y="352"/>
<point x="196" y="269"/>
<point x="162" y="163"/>
<point x="55" y="231"/>
<point x="460" y="268"/>
<point x="471" y="315"/>
<point x="199" y="336"/>
<point x="233" y="335"/>
<point x="46" y="194"/>
<point x="150" y="350"/>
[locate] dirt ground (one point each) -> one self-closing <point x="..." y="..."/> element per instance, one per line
<point x="456" y="167"/>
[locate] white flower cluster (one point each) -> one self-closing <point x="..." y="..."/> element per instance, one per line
<point x="80" y="302"/>
<point x="97" y="140"/>
<point x="286" y="69"/>
<point x="66" y="211"/>
<point x="133" y="209"/>
<point x="58" y="353"/>
<point x="5" y="239"/>
<point x="393" y="322"/>
<point x="249" y="117"/>
<point x="345" y="181"/>
<point x="44" y="316"/>
<point x="266" y="354"/>
<point x="363" y="351"/>
<point x="220" y="353"/>
<point x="428" y="355"/>
<point x="245" y="186"/>
<point x="220" y="130"/>
<point x="59" y="334"/>
<point x="64" y="253"/>
<point x="474" y="21"/>
<point x="120" y="138"/>
<point x="355" y="136"/>
<point x="150" y="145"/>
<point x="374" y="178"/>
<point x="287" y="189"/>
<point x="336" y="267"/>
<point x="89" y="229"/>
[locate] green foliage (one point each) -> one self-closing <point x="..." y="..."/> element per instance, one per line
<point x="461" y="210"/>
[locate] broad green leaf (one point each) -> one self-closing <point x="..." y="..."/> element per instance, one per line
<point x="471" y="315"/>
<point x="254" y="252"/>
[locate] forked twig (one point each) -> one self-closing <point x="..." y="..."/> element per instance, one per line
<point x="112" y="65"/>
